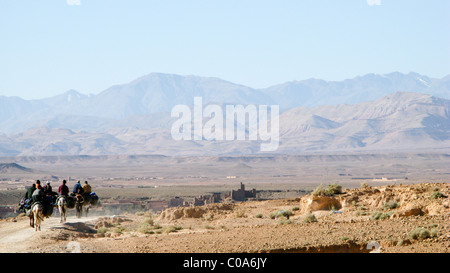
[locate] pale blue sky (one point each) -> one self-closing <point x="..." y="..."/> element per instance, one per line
<point x="48" y="46"/>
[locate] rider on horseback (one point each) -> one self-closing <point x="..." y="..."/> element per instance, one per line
<point x="26" y="201"/>
<point x="63" y="189"/>
<point x="87" y="188"/>
<point x="38" y="194"/>
<point x="78" y="189"/>
<point x="30" y="191"/>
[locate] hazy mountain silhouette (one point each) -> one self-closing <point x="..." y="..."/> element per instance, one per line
<point x="157" y="93"/>
<point x="399" y="121"/>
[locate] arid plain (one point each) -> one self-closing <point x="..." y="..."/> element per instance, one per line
<point x="282" y="182"/>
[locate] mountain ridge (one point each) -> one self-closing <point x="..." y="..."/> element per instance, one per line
<point x="363" y="113"/>
<point x="399" y="121"/>
<point x="158" y="92"/>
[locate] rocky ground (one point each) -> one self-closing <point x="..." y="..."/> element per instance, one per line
<point x="399" y="218"/>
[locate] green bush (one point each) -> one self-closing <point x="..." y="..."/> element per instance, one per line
<point x="102" y="230"/>
<point x="148" y="220"/>
<point x="119" y="230"/>
<point x="377" y="215"/>
<point x="281" y="213"/>
<point x="284" y="221"/>
<point x="436" y="194"/>
<point x="320" y="191"/>
<point x="310" y="218"/>
<point x="146" y="228"/>
<point x="172" y="229"/>
<point x="422" y="233"/>
<point x="330" y="190"/>
<point x="391" y="205"/>
<point x="334" y="189"/>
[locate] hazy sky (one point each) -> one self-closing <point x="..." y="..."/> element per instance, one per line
<point x="50" y="46"/>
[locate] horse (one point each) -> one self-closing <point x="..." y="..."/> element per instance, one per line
<point x="62" y="207"/>
<point x="36" y="216"/>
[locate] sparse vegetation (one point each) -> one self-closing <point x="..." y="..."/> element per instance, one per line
<point x="240" y="213"/>
<point x="148" y="226"/>
<point x="171" y="229"/>
<point x="320" y="191"/>
<point x="391" y="205"/>
<point x="119" y="230"/>
<point x="436" y="194"/>
<point x="330" y="190"/>
<point x="148" y="220"/>
<point x="102" y="230"/>
<point x="284" y="221"/>
<point x="310" y="218"/>
<point x="421" y="233"/>
<point x="378" y="215"/>
<point x="334" y="189"/>
<point x="361" y="211"/>
<point x="281" y="213"/>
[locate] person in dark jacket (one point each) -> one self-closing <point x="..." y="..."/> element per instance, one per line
<point x="38" y="194"/>
<point x="78" y="188"/>
<point x="30" y="191"/>
<point x="26" y="199"/>
<point x="63" y="189"/>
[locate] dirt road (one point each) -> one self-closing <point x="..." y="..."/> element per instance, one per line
<point x="17" y="235"/>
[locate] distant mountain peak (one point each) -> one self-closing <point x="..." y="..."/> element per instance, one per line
<point x="13" y="167"/>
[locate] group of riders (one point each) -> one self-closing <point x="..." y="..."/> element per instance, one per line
<point x="48" y="198"/>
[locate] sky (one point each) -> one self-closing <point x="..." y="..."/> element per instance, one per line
<point x="50" y="46"/>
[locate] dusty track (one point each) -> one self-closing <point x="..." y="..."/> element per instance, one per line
<point x="17" y="236"/>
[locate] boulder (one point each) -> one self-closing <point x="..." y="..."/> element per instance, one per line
<point x="412" y="211"/>
<point x="180" y="212"/>
<point x="314" y="203"/>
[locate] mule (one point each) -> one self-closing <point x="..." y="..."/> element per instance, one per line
<point x="36" y="216"/>
<point x="85" y="201"/>
<point x="62" y="207"/>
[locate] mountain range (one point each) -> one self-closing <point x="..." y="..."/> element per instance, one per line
<point x="371" y="112"/>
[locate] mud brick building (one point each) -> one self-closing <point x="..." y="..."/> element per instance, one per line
<point x="242" y="195"/>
